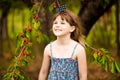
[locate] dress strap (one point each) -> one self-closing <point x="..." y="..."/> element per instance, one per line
<point x="74" y="50"/>
<point x="51" y="48"/>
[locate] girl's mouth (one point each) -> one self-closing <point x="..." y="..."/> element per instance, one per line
<point x="58" y="30"/>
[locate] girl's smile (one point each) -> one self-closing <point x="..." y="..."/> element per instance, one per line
<point x="61" y="27"/>
<point x="58" y="30"/>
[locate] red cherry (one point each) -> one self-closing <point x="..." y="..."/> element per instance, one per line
<point x="18" y="72"/>
<point x="20" y="58"/>
<point x="22" y="35"/>
<point x="35" y="16"/>
<point x="26" y="53"/>
<point x="54" y="6"/>
<point x="33" y="3"/>
<point x="101" y="55"/>
<point x="26" y="28"/>
<point x="26" y="41"/>
<point x="30" y="29"/>
<point x="96" y="51"/>
<point x="23" y="53"/>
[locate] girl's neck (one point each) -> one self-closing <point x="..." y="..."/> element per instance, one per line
<point x="63" y="40"/>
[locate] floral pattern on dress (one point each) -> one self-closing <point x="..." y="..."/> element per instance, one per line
<point x="63" y="69"/>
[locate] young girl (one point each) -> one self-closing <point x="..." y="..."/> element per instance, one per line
<point x="65" y="58"/>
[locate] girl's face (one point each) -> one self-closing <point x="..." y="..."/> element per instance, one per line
<point x="61" y="27"/>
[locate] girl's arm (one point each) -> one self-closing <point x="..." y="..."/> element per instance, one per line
<point x="82" y="62"/>
<point x="45" y="65"/>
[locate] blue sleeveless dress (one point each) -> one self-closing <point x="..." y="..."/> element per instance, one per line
<point x="63" y="68"/>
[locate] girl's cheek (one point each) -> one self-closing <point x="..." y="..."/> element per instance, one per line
<point x="53" y="26"/>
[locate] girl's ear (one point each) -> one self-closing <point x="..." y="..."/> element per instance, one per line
<point x="72" y="28"/>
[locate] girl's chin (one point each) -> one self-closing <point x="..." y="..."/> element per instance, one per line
<point x="58" y="35"/>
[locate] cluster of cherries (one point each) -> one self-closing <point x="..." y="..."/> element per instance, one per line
<point x="35" y="16"/>
<point x="101" y="54"/>
<point x="26" y="42"/>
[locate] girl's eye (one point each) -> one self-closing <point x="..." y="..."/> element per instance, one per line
<point x="62" y="23"/>
<point x="54" y="22"/>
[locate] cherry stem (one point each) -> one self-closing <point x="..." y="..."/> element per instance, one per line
<point x="22" y="51"/>
<point x="89" y="46"/>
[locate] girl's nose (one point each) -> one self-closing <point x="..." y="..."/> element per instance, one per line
<point x="57" y="25"/>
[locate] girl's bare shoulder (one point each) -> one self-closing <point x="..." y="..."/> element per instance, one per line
<point x="80" y="50"/>
<point x="47" y="50"/>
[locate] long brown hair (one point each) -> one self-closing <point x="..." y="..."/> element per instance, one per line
<point x="73" y="20"/>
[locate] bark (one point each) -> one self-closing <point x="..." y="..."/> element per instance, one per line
<point x="28" y="3"/>
<point x="3" y="28"/>
<point x="118" y="27"/>
<point x="45" y="19"/>
<point x="91" y="10"/>
<point x="1" y="50"/>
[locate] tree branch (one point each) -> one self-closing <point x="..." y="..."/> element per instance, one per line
<point x="91" y="10"/>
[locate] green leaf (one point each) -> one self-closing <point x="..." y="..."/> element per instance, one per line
<point x="21" y="44"/>
<point x="117" y="67"/>
<point x="46" y="38"/>
<point x="24" y="62"/>
<point x="32" y="56"/>
<point x="27" y="34"/>
<point x="108" y="57"/>
<point x="24" y="75"/>
<point x="37" y="25"/>
<point x="18" y="43"/>
<point x="106" y="66"/>
<point x="104" y="50"/>
<point x="6" y="76"/>
<point x="10" y="68"/>
<point x="95" y="56"/>
<point x="103" y="59"/>
<point x="28" y="49"/>
<point x="51" y="7"/>
<point x="91" y="59"/>
<point x="113" y="67"/>
<point x="20" y="76"/>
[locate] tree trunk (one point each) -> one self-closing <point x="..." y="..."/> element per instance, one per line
<point x="1" y="41"/>
<point x="118" y="27"/>
<point x="46" y="23"/>
<point x="3" y="28"/>
<point x="91" y="10"/>
<point x="5" y="36"/>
